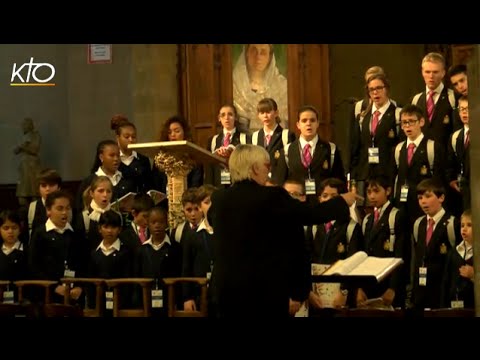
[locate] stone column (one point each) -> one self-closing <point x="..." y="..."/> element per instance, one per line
<point x="474" y="116"/>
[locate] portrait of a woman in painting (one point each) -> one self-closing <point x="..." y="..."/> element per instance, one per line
<point x="256" y="75"/>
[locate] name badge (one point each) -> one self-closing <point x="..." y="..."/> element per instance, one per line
<point x="422" y="278"/>
<point x="373" y="155"/>
<point x="310" y="187"/>
<point x="209" y="275"/>
<point x="69" y="273"/>
<point x="8" y="297"/>
<point x="109" y="300"/>
<point x="404" y="193"/>
<point x="157" y="298"/>
<point x="460" y="180"/>
<point x="225" y="177"/>
<point x="456" y="304"/>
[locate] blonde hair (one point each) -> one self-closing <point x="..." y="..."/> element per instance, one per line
<point x="435" y="58"/>
<point x="242" y="160"/>
<point x="374" y="70"/>
<point x="96" y="181"/>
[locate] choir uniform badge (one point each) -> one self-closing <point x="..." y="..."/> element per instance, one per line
<point x="325" y="165"/>
<point x="443" y="249"/>
<point x="340" y="248"/>
<point x="446" y="120"/>
<point x="386" y="245"/>
<point x="423" y="170"/>
<point x="276" y="155"/>
<point x="391" y="134"/>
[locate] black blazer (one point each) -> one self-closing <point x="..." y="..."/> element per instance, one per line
<point x="139" y="173"/>
<point x="377" y="242"/>
<point x="414" y="174"/>
<point x="321" y="167"/>
<point x="255" y="235"/>
<point x="433" y="257"/>
<point x="385" y="139"/>
<point x="274" y="149"/>
<point x="444" y="121"/>
<point x="212" y="172"/>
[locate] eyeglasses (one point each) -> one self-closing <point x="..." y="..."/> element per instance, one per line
<point x="409" y="122"/>
<point x="378" y="88"/>
<point x="295" y="194"/>
<point x="462" y="109"/>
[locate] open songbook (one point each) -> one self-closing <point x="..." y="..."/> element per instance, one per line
<point x="157" y="196"/>
<point x="125" y="203"/>
<point x="360" y="264"/>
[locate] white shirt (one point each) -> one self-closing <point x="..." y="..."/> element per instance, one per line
<point x="437" y="217"/>
<point x="438" y="90"/>
<point x="312" y="143"/>
<point x="417" y="142"/>
<point x="381" y="210"/>
<point x="166" y="240"/>
<point x="203" y="226"/>
<point x="269" y="132"/>
<point x="49" y="226"/>
<point x="17" y="246"/>
<point x="115" y="178"/>
<point x="110" y="250"/>
<point x="465" y="250"/>
<point x="382" y="110"/>
<point x="127" y="159"/>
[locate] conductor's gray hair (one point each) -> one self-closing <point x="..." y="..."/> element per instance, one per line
<point x="242" y="160"/>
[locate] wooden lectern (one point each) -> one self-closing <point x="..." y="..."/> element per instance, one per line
<point x="176" y="159"/>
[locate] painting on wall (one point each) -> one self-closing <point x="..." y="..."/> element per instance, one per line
<point x="259" y="71"/>
<point x="462" y="53"/>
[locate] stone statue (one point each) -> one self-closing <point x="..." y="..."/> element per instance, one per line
<point x="29" y="166"/>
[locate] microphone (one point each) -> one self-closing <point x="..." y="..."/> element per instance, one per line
<point x="349" y="100"/>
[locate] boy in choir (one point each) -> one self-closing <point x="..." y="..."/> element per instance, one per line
<point x="458" y="150"/>
<point x="272" y="137"/>
<point x="332" y="241"/>
<point x="384" y="236"/>
<point x="197" y="249"/>
<point x="137" y="232"/>
<point x="296" y="189"/>
<point x="158" y="257"/>
<point x="459" y="79"/>
<point x="55" y="251"/>
<point x="458" y="279"/>
<point x="49" y="180"/>
<point x="434" y="234"/>
<point x="193" y="216"/>
<point x="416" y="159"/>
<point x="13" y="262"/>
<point x="309" y="159"/>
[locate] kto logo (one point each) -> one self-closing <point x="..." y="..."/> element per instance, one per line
<point x="46" y="72"/>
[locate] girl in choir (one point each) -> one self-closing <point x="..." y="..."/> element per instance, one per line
<point x="106" y="163"/>
<point x="222" y="144"/>
<point x="97" y="200"/>
<point x="133" y="166"/>
<point x="176" y="128"/>
<point x="272" y="136"/>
